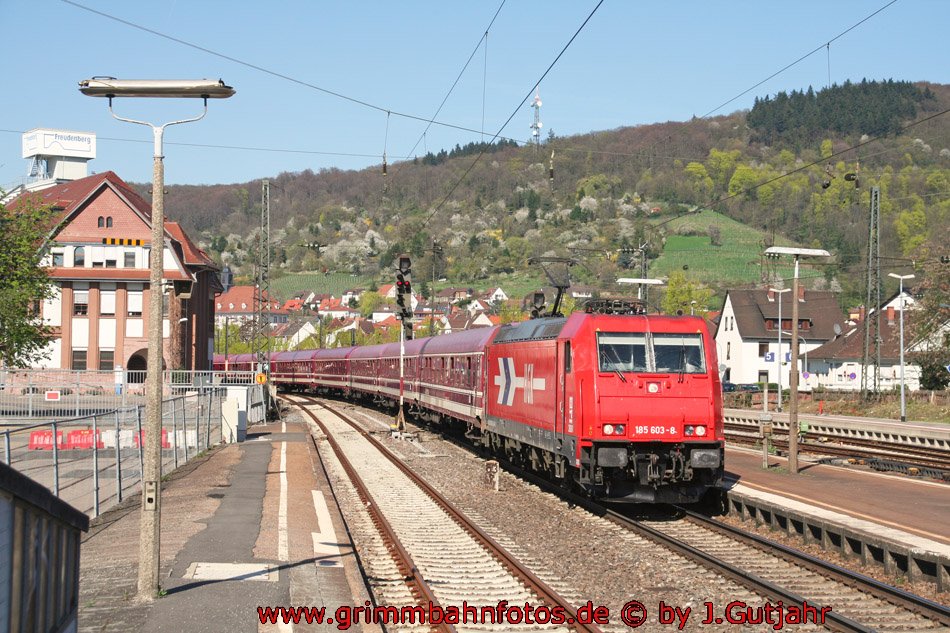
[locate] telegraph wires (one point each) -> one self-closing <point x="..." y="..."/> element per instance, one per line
<point x="484" y="39"/>
<point x="268" y="71"/>
<point x="433" y="121"/>
<point x="515" y="112"/>
<point x="794" y="63"/>
<point x="821" y="160"/>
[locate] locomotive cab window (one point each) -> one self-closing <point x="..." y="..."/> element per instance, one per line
<point x="622" y="351"/>
<point x="680" y="353"/>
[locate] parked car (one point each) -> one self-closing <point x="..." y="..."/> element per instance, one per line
<point x="728" y="386"/>
<point x="752" y="386"/>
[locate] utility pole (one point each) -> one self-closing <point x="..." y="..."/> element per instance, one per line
<point x="873" y="297"/>
<point x="261" y="340"/>
<point x="436" y="251"/>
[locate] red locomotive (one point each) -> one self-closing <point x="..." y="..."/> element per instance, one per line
<point x="627" y="407"/>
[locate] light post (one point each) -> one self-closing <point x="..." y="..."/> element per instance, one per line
<point x="901" y="295"/>
<point x="778" y="355"/>
<point x="641" y="282"/>
<point x="109" y="87"/>
<point x="793" y="429"/>
<point x="692" y="308"/>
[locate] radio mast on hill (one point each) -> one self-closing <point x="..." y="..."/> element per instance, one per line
<point x="536" y="126"/>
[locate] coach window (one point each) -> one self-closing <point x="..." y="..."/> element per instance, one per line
<point x="567" y="357"/>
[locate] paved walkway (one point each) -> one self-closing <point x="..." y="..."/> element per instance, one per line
<point x="249" y="525"/>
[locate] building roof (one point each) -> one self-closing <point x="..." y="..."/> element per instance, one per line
<point x="752" y="308"/>
<point x="850" y="345"/>
<point x="244" y="296"/>
<point x="70" y="197"/>
<point x="191" y="254"/>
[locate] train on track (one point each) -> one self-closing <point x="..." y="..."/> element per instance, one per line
<point x="626" y="407"/>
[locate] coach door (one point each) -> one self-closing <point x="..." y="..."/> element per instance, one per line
<point x="564" y="394"/>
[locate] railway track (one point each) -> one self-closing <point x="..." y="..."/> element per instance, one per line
<point x="431" y="555"/>
<point x="877" y="454"/>
<point x="857" y="603"/>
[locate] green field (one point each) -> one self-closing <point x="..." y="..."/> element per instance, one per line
<point x="334" y="284"/>
<point x="735" y="262"/>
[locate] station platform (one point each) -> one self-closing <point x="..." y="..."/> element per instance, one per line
<point x="249" y="525"/>
<point x="901" y="521"/>
<point x="255" y="525"/>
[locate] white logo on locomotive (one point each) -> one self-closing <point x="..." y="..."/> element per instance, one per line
<point x="508" y="382"/>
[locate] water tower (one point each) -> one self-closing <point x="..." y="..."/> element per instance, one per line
<point x="57" y="155"/>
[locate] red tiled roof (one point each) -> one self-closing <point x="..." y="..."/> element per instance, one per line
<point x="191" y="254"/>
<point x="68" y="197"/>
<point x="244" y="295"/>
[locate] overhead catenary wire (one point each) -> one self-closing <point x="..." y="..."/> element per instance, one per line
<point x="432" y="120"/>
<point x="514" y="112"/>
<point x="458" y="78"/>
<point x="269" y="71"/>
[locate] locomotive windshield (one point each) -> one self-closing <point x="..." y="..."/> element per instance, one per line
<point x="653" y="353"/>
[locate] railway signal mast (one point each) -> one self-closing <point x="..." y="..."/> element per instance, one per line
<point x="403" y="295"/>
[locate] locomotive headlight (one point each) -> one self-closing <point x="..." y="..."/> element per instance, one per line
<point x="700" y="430"/>
<point x="620" y="429"/>
<point x="689" y="430"/>
<point x="608" y="429"/>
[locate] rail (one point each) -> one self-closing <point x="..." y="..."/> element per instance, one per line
<point x="514" y="566"/>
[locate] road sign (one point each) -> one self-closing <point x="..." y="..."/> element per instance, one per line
<point x="260" y="378"/>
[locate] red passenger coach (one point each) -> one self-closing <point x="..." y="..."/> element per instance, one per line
<point x="626" y="407"/>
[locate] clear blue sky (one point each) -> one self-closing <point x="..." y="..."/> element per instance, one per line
<point x="635" y="62"/>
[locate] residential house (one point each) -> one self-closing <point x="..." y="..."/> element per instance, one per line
<point x="838" y="364"/>
<point x="748" y="333"/>
<point x="461" y="321"/>
<point x="452" y="295"/>
<point x="495" y="296"/>
<point x="239" y="305"/>
<point x="290" y="335"/>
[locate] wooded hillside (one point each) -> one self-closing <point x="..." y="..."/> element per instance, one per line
<point x="614" y="190"/>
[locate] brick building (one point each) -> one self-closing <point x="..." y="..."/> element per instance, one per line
<point x="99" y="262"/>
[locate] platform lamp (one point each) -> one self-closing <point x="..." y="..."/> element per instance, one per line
<point x="793" y="429"/>
<point x="901" y="278"/>
<point x="111" y="88"/>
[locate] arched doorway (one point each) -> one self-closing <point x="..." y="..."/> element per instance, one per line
<point x="137" y="366"/>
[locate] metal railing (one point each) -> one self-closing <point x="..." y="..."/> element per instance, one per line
<point x="39" y="555"/>
<point x="58" y="393"/>
<point x="94" y="461"/>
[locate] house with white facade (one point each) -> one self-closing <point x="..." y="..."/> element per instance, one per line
<point x="753" y="337"/>
<point x="838" y="364"/>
